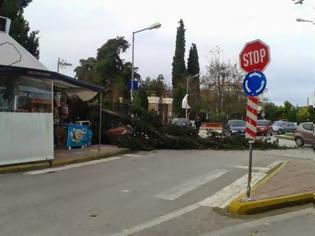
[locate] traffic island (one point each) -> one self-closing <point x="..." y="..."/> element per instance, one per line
<point x="292" y="183"/>
<point x="66" y="157"/>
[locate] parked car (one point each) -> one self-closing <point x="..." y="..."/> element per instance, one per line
<point x="282" y="127"/>
<point x="234" y="127"/>
<point x="264" y="127"/>
<point x="304" y="134"/>
<point x="181" y="122"/>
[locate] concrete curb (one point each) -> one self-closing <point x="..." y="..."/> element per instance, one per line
<point x="243" y="206"/>
<point x="42" y="165"/>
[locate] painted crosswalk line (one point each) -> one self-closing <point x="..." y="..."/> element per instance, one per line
<point x="181" y="189"/>
<point x="61" y="168"/>
<point x="225" y="196"/>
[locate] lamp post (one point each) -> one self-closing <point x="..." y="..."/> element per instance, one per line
<point x="154" y="26"/>
<point x="189" y="77"/>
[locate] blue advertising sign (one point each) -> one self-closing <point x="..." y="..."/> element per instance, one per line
<point x="254" y="83"/>
<point x="135" y="85"/>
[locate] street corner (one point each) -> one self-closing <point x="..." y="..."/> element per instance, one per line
<point x="263" y="197"/>
<point x="243" y="206"/>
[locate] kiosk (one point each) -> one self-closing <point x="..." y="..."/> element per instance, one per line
<point x="27" y="90"/>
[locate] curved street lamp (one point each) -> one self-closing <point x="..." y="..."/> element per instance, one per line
<point x="153" y="26"/>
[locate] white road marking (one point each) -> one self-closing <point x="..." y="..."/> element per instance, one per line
<point x="186" y="187"/>
<point x="264" y="221"/>
<point x="225" y="196"/>
<point x="131" y="155"/>
<point x="55" y="169"/>
<point x="241" y="184"/>
<point x="124" y="190"/>
<point x="274" y="164"/>
<point x="259" y="169"/>
<point x="157" y="220"/>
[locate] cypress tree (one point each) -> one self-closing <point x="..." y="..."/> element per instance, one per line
<point x="179" y="69"/>
<point x="194" y="83"/>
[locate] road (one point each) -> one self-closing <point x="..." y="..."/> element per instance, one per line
<point x="148" y="193"/>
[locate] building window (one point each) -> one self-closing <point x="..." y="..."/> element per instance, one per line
<point x="25" y="94"/>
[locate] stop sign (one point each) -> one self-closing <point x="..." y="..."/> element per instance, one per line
<point x="254" y="56"/>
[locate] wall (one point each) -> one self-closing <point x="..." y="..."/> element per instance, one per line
<point x="25" y="137"/>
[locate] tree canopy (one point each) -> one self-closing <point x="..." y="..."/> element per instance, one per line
<point x="150" y="87"/>
<point x="223" y="83"/>
<point x="109" y="70"/>
<point x="194" y="83"/>
<point x="20" y="29"/>
<point x="179" y="69"/>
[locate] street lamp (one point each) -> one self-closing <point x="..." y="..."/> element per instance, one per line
<point x="189" y="77"/>
<point x="154" y="26"/>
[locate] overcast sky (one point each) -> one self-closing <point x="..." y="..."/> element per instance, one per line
<point x="75" y="29"/>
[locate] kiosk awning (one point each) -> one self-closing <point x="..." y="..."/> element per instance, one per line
<point x="65" y="83"/>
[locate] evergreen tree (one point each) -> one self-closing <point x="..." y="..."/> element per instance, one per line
<point x="20" y="29"/>
<point x="194" y="83"/>
<point x="179" y="69"/>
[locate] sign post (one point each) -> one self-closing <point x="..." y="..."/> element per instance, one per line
<point x="250" y="164"/>
<point x="254" y="58"/>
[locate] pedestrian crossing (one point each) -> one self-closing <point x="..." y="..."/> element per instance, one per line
<point x="183" y="188"/>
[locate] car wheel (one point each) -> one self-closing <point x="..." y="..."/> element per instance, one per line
<point x="299" y="141"/>
<point x="280" y="131"/>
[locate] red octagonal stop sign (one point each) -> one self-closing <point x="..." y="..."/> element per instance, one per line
<point x="254" y="56"/>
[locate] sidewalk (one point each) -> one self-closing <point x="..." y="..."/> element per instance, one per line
<point x="292" y="183"/>
<point x="66" y="157"/>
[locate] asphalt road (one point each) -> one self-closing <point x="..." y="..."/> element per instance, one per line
<point x="146" y="193"/>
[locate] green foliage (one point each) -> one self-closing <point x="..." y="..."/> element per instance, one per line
<point x="289" y="112"/>
<point x="156" y="87"/>
<point x="148" y="133"/>
<point x="149" y="87"/>
<point x="87" y="70"/>
<point x="178" y="95"/>
<point x="179" y="68"/>
<point x="180" y="131"/>
<point x="271" y="111"/>
<point x="20" y="29"/>
<point x="303" y="115"/>
<point x="108" y="70"/>
<point x="194" y="83"/>
<point x="193" y="61"/>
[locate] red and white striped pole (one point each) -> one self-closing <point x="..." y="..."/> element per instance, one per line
<point x="251" y="117"/>
<point x="250" y="133"/>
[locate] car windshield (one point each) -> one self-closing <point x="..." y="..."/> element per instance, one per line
<point x="277" y="123"/>
<point x="237" y="123"/>
<point x="262" y="122"/>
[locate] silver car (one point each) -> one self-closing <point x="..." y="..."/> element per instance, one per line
<point x="282" y="127"/>
<point x="304" y="134"/>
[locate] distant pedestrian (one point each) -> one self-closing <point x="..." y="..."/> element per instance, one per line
<point x="197" y="123"/>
